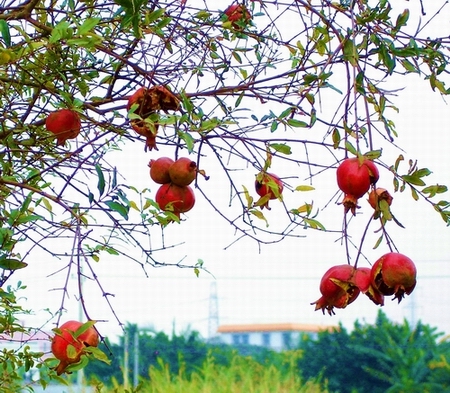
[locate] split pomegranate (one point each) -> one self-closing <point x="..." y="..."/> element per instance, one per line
<point x="65" y="124"/>
<point x="237" y="12"/>
<point x="68" y="346"/>
<point x="183" y="171"/>
<point x="363" y="280"/>
<point x="150" y="101"/>
<point x="338" y="288"/>
<point x="175" y="199"/>
<point x="268" y="186"/>
<point x="159" y="169"/>
<point x="394" y="274"/>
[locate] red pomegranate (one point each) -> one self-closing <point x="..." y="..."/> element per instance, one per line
<point x="378" y="195"/>
<point x="183" y="171"/>
<point x="159" y="169"/>
<point x="355" y="175"/>
<point x="65" y="124"/>
<point x="69" y="343"/>
<point x="363" y="281"/>
<point x="237" y="12"/>
<point x="338" y="288"/>
<point x="394" y="274"/>
<point x="268" y="186"/>
<point x="175" y="199"/>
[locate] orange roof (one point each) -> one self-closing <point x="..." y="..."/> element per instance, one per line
<point x="274" y="327"/>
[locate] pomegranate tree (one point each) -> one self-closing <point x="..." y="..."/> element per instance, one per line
<point x="394" y="274"/>
<point x="64" y="124"/>
<point x="70" y="342"/>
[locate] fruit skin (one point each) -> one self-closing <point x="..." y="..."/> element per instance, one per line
<point x="69" y="349"/>
<point x="394" y="274"/>
<point x="237" y="12"/>
<point x="183" y="171"/>
<point x="65" y="124"/>
<point x="269" y="186"/>
<point x="159" y="169"/>
<point x="338" y="288"/>
<point x="175" y="199"/>
<point x="150" y="101"/>
<point x="354" y="177"/>
<point x="363" y="280"/>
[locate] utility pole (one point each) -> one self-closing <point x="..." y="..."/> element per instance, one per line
<point x="125" y="359"/>
<point x="136" y="358"/>
<point x="213" y="318"/>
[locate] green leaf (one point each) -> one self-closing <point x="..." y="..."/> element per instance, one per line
<point x="258" y="213"/>
<point x="4" y="31"/>
<point x="88" y="25"/>
<point x="281" y="148"/>
<point x="350" y="52"/>
<point x="304" y="188"/>
<point x="12" y="264"/>
<point x="412" y="179"/>
<point x="336" y="137"/>
<point x="350" y="148"/>
<point x="297" y="123"/>
<point x="101" y="179"/>
<point x="373" y="154"/>
<point x="119" y="208"/>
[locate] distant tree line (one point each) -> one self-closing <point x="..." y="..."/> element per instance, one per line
<point x="383" y="357"/>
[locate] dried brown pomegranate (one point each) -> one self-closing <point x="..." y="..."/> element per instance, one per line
<point x="378" y="195"/>
<point x="394" y="274"/>
<point x="338" y="288"/>
<point x="183" y="171"/>
<point x="159" y="169"/>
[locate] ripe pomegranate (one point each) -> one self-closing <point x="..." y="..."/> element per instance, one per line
<point x="237" y="12"/>
<point x="65" y="124"/>
<point x="338" y="288"/>
<point x="394" y="274"/>
<point x="363" y="281"/>
<point x="377" y="195"/>
<point x="268" y="186"/>
<point x="183" y="171"/>
<point x="159" y="169"/>
<point x="68" y="346"/>
<point x="175" y="199"/>
<point x="355" y="175"/>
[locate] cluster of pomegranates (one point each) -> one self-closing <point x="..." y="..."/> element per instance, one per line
<point x="392" y="274"/>
<point x="70" y="342"/>
<point x="174" y="194"/>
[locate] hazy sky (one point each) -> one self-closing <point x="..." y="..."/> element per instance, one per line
<point x="279" y="283"/>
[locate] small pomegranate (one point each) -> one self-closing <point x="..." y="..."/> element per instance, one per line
<point x="237" y="12"/>
<point x="378" y="195"/>
<point x="68" y="346"/>
<point x="159" y="169"/>
<point x="183" y="171"/>
<point x="65" y="124"/>
<point x="268" y="186"/>
<point x="175" y="199"/>
<point x="363" y="281"/>
<point x="355" y="175"/>
<point x="394" y="274"/>
<point x="338" y="288"/>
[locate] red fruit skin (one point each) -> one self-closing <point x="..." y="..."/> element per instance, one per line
<point x="236" y="12"/>
<point x="354" y="178"/>
<point x="363" y="280"/>
<point x="394" y="274"/>
<point x="268" y="185"/>
<point x="175" y="199"/>
<point x="337" y="288"/>
<point x="183" y="171"/>
<point x="65" y="124"/>
<point x="61" y="342"/>
<point x="159" y="169"/>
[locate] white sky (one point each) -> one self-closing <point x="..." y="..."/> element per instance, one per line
<point x="278" y="284"/>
